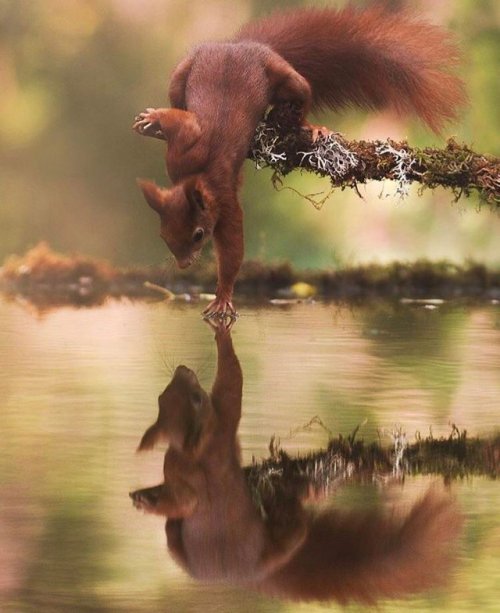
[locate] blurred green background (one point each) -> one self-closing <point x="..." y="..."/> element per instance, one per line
<point x="73" y="73"/>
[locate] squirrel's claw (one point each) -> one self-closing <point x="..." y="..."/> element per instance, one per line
<point x="316" y="131"/>
<point x="220" y="308"/>
<point x="146" y="124"/>
<point x="220" y="326"/>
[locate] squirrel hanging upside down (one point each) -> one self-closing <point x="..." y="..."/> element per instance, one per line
<point x="316" y="58"/>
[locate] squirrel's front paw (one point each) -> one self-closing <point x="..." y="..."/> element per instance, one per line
<point x="147" y="124"/>
<point x="220" y="308"/>
<point x="221" y="325"/>
<point x="146" y="499"/>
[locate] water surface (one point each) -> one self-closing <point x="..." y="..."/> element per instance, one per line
<point x="79" y="387"/>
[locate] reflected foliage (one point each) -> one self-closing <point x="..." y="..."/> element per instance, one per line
<point x="349" y="458"/>
<point x="416" y="342"/>
<point x="70" y="560"/>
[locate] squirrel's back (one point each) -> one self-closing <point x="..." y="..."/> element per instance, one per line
<point x="368" y="58"/>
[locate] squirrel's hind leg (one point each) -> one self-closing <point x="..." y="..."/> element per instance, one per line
<point x="287" y="532"/>
<point x="287" y="85"/>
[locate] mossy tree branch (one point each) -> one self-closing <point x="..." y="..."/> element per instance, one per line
<point x="280" y="143"/>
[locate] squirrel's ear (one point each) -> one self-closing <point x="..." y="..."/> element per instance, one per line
<point x="153" y="194"/>
<point x="150" y="437"/>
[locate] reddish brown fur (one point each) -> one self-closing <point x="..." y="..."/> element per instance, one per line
<point x="366" y="556"/>
<point x="371" y="58"/>
<point x="322" y="58"/>
<point x="216" y="531"/>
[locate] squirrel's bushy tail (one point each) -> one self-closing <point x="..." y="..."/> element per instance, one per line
<point x="368" y="58"/>
<point x="368" y="556"/>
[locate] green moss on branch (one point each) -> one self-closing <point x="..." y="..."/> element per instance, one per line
<point x="279" y="143"/>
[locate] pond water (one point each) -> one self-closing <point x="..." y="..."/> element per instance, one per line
<point x="78" y="388"/>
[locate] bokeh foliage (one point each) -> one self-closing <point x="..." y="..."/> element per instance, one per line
<point x="74" y="72"/>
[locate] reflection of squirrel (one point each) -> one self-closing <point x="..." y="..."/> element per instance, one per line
<point x="214" y="530"/>
<point x="217" y="532"/>
<point x="315" y="58"/>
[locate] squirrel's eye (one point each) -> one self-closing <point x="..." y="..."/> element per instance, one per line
<point x="198" y="235"/>
<point x="196" y="399"/>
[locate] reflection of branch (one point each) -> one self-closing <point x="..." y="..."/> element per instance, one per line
<point x="280" y="144"/>
<point x="345" y="458"/>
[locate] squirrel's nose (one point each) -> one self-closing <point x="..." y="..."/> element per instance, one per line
<point x="184" y="262"/>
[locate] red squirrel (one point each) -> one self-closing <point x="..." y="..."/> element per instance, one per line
<point x="314" y="58"/>
<point x="220" y="530"/>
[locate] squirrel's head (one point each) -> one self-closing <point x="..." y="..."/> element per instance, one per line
<point x="184" y="210"/>
<point x="185" y="411"/>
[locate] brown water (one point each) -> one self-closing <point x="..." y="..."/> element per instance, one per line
<point x="79" y="387"/>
